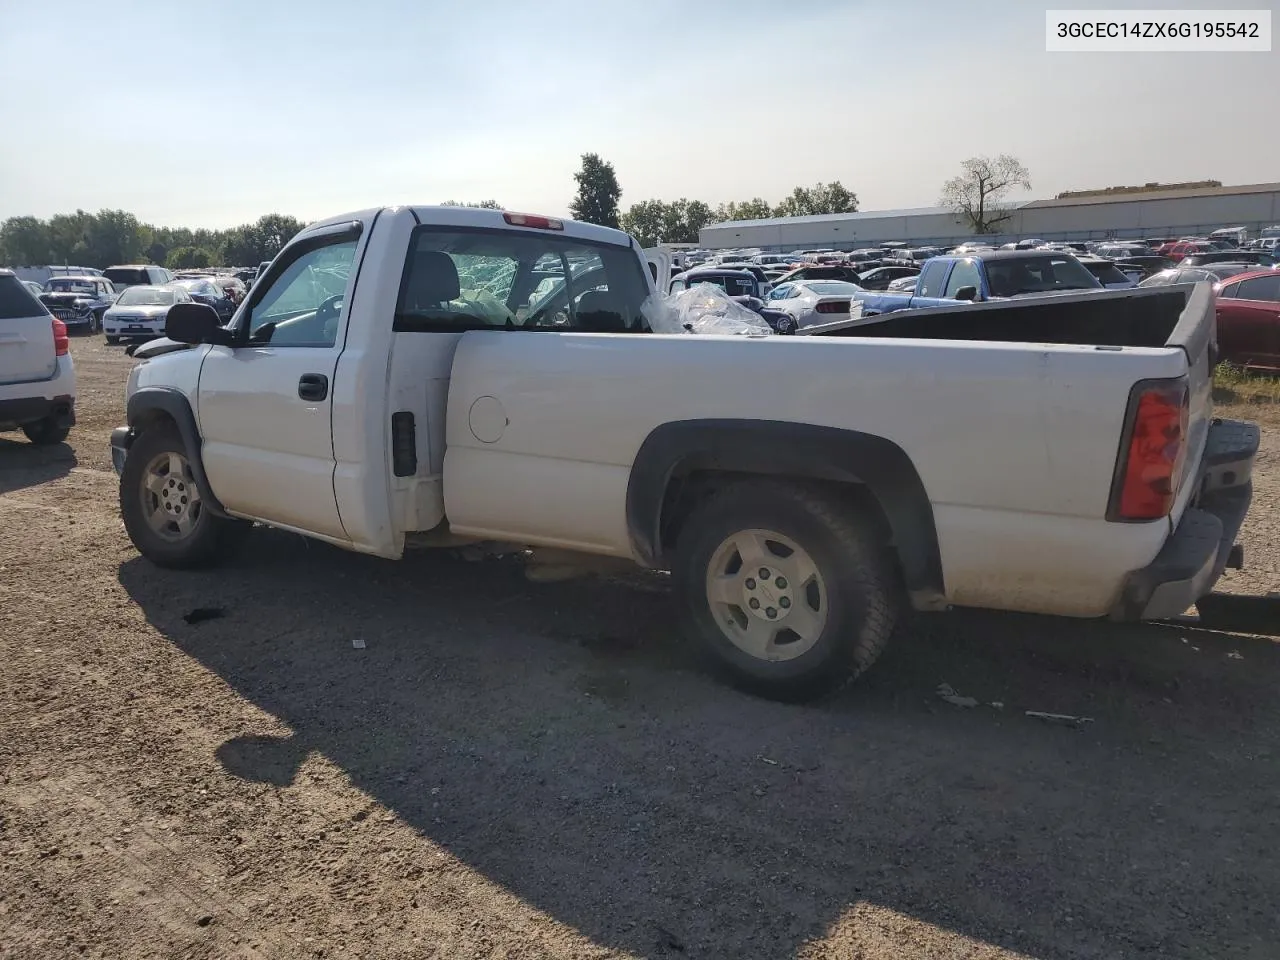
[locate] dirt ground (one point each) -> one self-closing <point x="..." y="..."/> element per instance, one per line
<point x="517" y="770"/>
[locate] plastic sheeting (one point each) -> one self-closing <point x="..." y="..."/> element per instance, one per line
<point x="703" y="309"/>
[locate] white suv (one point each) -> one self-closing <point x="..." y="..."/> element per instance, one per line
<point x="37" y="378"/>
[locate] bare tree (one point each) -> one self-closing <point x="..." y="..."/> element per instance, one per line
<point x="978" y="194"/>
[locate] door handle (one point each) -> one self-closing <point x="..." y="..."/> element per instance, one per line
<point x="313" y="386"/>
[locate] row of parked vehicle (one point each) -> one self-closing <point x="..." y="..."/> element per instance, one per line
<point x="131" y="301"/>
<point x="815" y="288"/>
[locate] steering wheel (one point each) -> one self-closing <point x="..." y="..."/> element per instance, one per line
<point x="327" y="315"/>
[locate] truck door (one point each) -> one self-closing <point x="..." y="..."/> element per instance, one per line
<point x="265" y="406"/>
<point x="659" y="268"/>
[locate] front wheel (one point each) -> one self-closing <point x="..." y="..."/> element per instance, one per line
<point x="163" y="509"/>
<point x="786" y="587"/>
<point x="112" y="341"/>
<point x="46" y="432"/>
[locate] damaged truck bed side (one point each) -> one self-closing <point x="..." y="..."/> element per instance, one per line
<point x="424" y="374"/>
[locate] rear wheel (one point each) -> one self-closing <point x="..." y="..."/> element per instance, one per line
<point x="46" y="432"/>
<point x="163" y="509"/>
<point x="788" y="589"/>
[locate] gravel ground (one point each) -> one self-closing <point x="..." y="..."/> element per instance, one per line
<point x="518" y="770"/>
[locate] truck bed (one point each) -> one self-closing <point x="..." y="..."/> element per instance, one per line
<point x="1108" y="318"/>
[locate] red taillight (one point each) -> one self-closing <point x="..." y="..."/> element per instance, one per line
<point x="61" y="342"/>
<point x="1153" y="461"/>
<point x="532" y="220"/>
<point x="833" y="306"/>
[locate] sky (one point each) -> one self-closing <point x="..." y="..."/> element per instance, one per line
<point x="214" y="115"/>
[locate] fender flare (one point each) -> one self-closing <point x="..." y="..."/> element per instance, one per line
<point x="782" y="449"/>
<point x="174" y="404"/>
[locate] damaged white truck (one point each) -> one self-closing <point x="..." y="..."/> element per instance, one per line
<point x="425" y="375"/>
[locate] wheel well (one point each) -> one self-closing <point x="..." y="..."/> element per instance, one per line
<point x="685" y="492"/>
<point x="152" y="417"/>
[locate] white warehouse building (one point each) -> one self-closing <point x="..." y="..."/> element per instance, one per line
<point x="1155" y="213"/>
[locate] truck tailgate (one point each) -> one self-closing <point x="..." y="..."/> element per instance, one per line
<point x="1196" y="335"/>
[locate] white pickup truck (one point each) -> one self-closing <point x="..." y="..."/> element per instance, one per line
<point x="422" y="375"/>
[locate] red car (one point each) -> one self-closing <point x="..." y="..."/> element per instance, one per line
<point x="1179" y="249"/>
<point x="1249" y="319"/>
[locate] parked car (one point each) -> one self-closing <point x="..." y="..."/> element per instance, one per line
<point x="37" y="376"/>
<point x="1110" y="274"/>
<point x="131" y="275"/>
<point x="33" y="288"/>
<point x="1121" y="251"/>
<point x="902" y="284"/>
<point x="812" y="302"/>
<point x="1249" y="319"/>
<point x="1146" y="265"/>
<point x="140" y="312"/>
<point x="804" y="496"/>
<point x="1260" y="257"/>
<point x="1236" y="236"/>
<point x="879" y="278"/>
<point x="1179" y="249"/>
<point x="816" y="272"/>
<point x="754" y="269"/>
<point x="79" y="302"/>
<point x="209" y="293"/>
<point x="1211" y="273"/>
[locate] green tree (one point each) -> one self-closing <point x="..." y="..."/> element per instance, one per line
<point x="113" y="236"/>
<point x="598" y="192"/>
<point x="185" y="258"/>
<point x="271" y="232"/>
<point x="821" y="198"/>
<point x="482" y="205"/>
<point x="653" y="221"/>
<point x="756" y="208"/>
<point x="69" y="237"/>
<point x="24" y="242"/>
<point x="979" y="193"/>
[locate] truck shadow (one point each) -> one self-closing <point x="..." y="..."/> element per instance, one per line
<point x="561" y="741"/>
<point x="23" y="464"/>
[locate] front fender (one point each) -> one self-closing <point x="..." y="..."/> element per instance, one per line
<point x="146" y="404"/>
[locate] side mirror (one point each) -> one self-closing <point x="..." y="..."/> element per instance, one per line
<point x="195" y="323"/>
<point x="967" y="293"/>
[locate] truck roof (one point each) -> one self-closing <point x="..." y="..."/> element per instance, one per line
<point x="480" y="217"/>
<point x="1006" y="254"/>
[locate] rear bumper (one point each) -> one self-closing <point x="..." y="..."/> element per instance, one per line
<point x="15" y="413"/>
<point x="1193" y="558"/>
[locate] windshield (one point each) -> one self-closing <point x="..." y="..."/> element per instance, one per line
<point x="1011" y="278"/>
<point x="126" y="276"/>
<point x="145" y="297"/>
<point x="63" y="285"/>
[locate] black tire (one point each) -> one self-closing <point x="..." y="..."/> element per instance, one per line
<point x="112" y="341"/>
<point x="210" y="540"/>
<point x="859" y="587"/>
<point x="46" y="432"/>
